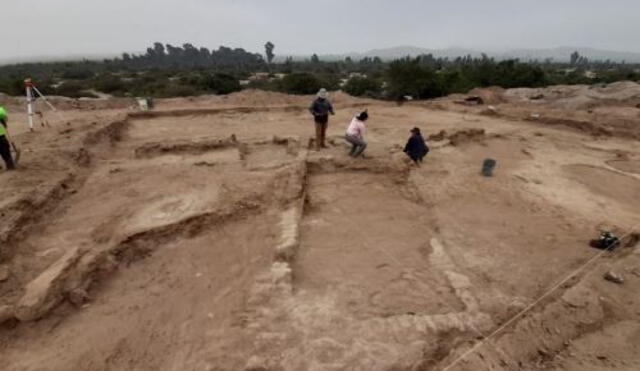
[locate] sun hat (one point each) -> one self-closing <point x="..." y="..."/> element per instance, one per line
<point x="322" y="93"/>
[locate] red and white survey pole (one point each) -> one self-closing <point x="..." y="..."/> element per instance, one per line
<point x="30" y="101"/>
<point x="32" y="90"/>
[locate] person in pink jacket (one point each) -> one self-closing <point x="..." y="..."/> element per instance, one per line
<point x="355" y="134"/>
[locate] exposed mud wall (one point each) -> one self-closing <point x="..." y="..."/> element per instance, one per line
<point x="72" y="275"/>
<point x="28" y="211"/>
<point x="197" y="146"/>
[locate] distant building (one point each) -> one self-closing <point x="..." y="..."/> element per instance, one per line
<point x="259" y="76"/>
<point x="590" y="74"/>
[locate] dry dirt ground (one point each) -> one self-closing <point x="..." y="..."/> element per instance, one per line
<point x="205" y="235"/>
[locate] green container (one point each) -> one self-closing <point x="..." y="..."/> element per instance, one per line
<point x="487" y="167"/>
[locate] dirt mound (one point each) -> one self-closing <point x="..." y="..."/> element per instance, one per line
<point x="258" y="98"/>
<point x="67" y="104"/>
<point x="583" y="126"/>
<point x="63" y="103"/>
<point x="490" y="95"/>
<point x="577" y="96"/>
<point x="600" y="110"/>
<point x="460" y="136"/>
<point x="249" y="98"/>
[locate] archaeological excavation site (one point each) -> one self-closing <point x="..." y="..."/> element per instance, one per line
<point x="209" y="234"/>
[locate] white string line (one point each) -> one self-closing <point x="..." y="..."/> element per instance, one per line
<point x="542" y="297"/>
<point x="60" y="116"/>
<point x="451" y="309"/>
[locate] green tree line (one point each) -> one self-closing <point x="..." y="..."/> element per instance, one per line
<point x="169" y="71"/>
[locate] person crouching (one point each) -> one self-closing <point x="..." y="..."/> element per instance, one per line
<point x="355" y="134"/>
<point x="416" y="148"/>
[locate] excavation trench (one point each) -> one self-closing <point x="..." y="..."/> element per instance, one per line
<point x="369" y="282"/>
<point x="156" y="193"/>
<point x="200" y="213"/>
<point x="236" y="251"/>
<point x="382" y="278"/>
<point x="360" y="237"/>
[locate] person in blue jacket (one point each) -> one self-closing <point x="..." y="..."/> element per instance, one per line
<point x="416" y="148"/>
<point x="320" y="109"/>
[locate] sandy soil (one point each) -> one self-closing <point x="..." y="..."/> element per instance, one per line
<point x="600" y="110"/>
<point x="205" y="235"/>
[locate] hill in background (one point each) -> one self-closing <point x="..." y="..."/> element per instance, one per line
<point x="559" y="54"/>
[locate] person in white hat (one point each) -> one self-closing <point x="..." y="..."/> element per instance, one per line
<point x="320" y="109"/>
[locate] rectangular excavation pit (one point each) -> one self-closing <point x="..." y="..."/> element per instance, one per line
<point x="227" y="157"/>
<point x="123" y="196"/>
<point x="369" y="246"/>
<point x="268" y="156"/>
<point x="244" y="125"/>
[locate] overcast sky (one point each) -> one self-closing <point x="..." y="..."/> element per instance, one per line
<point x="90" y="27"/>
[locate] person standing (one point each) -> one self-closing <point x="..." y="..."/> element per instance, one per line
<point x="5" y="145"/>
<point x="320" y="109"/>
<point x="355" y="134"/>
<point x="416" y="148"/>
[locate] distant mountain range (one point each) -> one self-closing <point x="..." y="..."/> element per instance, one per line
<point x="56" y="58"/>
<point x="560" y="54"/>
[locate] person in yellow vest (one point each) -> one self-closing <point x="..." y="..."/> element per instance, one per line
<point x="5" y="145"/>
